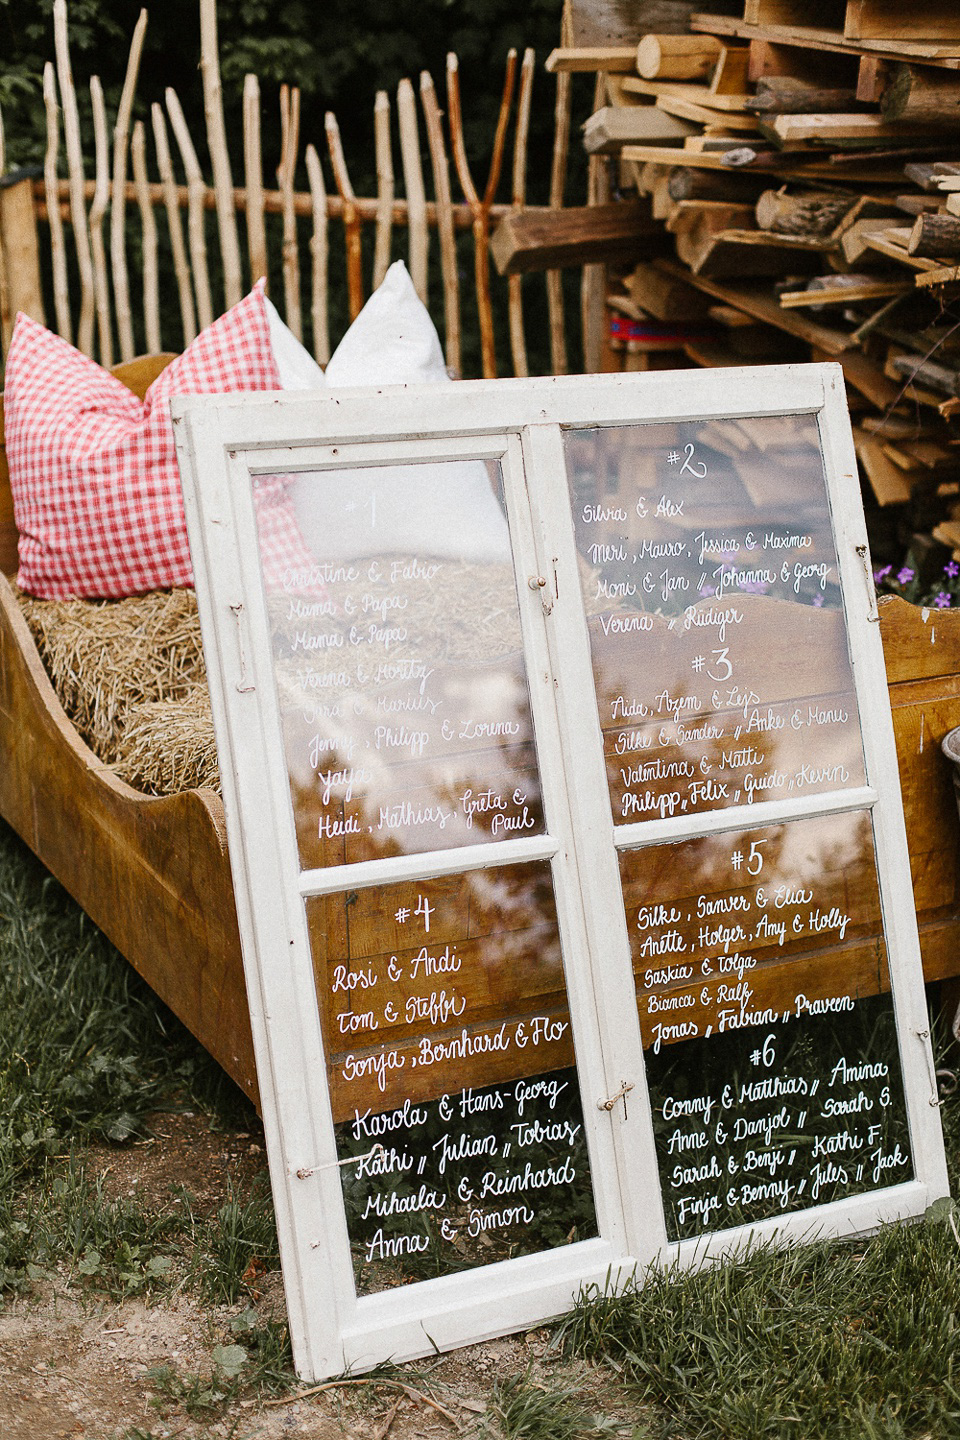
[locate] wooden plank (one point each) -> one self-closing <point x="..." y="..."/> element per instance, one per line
<point x="702" y="115"/>
<point x="621" y="59"/>
<point x="885" y="239"/>
<point x="866" y="376"/>
<point x="939" y="275"/>
<point x="929" y="21"/>
<point x="843" y="294"/>
<point x="539" y="238"/>
<point x="21" y="251"/>
<point x="698" y="94"/>
<point x="613" y="126"/>
<point x="829" y="128"/>
<point x="886" y="481"/>
<point x="814" y="38"/>
<point x="759" y="302"/>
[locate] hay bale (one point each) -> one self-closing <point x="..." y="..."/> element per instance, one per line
<point x="130" y="673"/>
<point x="168" y="745"/>
<point x="119" y="665"/>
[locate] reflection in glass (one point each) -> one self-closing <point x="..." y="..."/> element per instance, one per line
<point x="772" y="1058"/>
<point x="709" y="574"/>
<point x="446" y="1029"/>
<point x="398" y="662"/>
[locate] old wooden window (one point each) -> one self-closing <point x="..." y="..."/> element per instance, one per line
<point x="566" y="836"/>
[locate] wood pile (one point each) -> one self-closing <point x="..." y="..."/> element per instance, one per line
<point x="804" y="159"/>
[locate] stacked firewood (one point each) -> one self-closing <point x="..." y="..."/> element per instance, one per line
<point x="803" y="188"/>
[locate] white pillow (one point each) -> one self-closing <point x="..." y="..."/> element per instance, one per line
<point x="444" y="508"/>
<point x="393" y="341"/>
<point x="297" y="367"/>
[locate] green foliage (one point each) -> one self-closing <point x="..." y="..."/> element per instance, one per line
<point x="339" y="56"/>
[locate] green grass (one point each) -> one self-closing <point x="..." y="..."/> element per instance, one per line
<point x="525" y="1409"/>
<point x="851" y="1341"/>
<point x="87" y="1052"/>
<point x="842" y="1340"/>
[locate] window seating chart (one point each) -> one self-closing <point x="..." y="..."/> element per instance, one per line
<point x="566" y="837"/>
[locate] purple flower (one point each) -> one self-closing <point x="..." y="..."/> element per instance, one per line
<point x="708" y="590"/>
<point x="905" y="575"/>
<point x="818" y="601"/>
<point x="882" y="573"/>
<point x="952" y="569"/>
<point x="942" y="600"/>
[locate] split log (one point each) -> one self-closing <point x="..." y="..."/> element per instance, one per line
<point x="615" y="125"/>
<point x="928" y="175"/>
<point x="677" y="57"/>
<point x="789" y="95"/>
<point x="607" y="59"/>
<point x="813" y="213"/>
<point x="831" y="128"/>
<point x="684" y="182"/>
<point x="665" y="297"/>
<point x="916" y="369"/>
<point x="545" y="239"/>
<point x="936" y="237"/>
<point x="922" y="96"/>
<point x="918" y="204"/>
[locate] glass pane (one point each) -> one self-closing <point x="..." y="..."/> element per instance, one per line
<point x="709" y="574"/>
<point x="398" y="660"/>
<point x="771" y="1048"/>
<point x="444" y="1012"/>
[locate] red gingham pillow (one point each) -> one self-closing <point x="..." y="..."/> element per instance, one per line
<point x="96" y="489"/>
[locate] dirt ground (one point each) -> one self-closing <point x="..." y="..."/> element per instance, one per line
<point x="75" y="1364"/>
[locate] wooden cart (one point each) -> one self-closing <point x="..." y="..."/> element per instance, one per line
<point x="154" y="873"/>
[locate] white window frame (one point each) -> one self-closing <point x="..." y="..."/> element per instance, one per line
<point x="223" y="442"/>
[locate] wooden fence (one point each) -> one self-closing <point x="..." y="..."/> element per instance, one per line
<point x="76" y="231"/>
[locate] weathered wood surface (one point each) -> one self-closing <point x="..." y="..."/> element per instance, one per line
<point x="153" y="874"/>
<point x="544" y="239"/>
